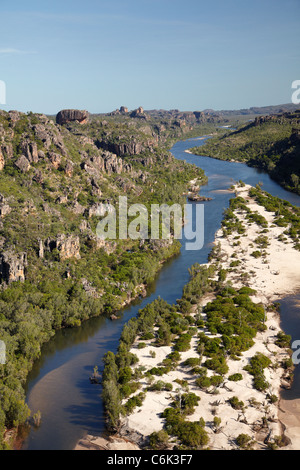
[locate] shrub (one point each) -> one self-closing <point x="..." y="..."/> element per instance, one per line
<point x="283" y="340"/>
<point x="272" y="398"/>
<point x="159" y="440"/>
<point x="236" y="403"/>
<point x="244" y="441"/>
<point x="125" y="375"/>
<point x="203" y="382"/>
<point x="183" y="342"/>
<point x="218" y="364"/>
<point x="260" y="382"/>
<point x="235" y="377"/>
<point x="192" y="434"/>
<point x="257" y="363"/>
<point x="256" y="254"/>
<point x="192" y="361"/>
<point x="160" y="386"/>
<point x="133" y="402"/>
<point x="216" y="380"/>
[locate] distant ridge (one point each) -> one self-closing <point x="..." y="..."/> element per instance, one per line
<point x="254" y="110"/>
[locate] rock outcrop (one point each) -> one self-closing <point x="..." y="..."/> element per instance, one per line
<point x="107" y="162"/>
<point x="68" y="246"/>
<point x="49" y="135"/>
<point x="139" y="112"/>
<point x="30" y="151"/>
<point x="120" y="149"/>
<point x="23" y="164"/>
<point x="55" y="159"/>
<point x="4" y="207"/>
<point x="69" y="115"/>
<point x="7" y="151"/>
<point x="12" y="266"/>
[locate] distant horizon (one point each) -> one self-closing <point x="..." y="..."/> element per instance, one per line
<point x="294" y="106"/>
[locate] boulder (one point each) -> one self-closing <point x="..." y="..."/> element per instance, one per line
<point x="23" y="164"/>
<point x="98" y="210"/>
<point x="69" y="115"/>
<point x="55" y="159"/>
<point x="30" y="151"/>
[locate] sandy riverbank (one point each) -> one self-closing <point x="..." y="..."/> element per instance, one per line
<point x="273" y="276"/>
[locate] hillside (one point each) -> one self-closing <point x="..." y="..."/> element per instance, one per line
<point x="269" y="142"/>
<point x="54" y="270"/>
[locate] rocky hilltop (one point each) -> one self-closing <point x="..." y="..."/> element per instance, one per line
<point x="56" y="174"/>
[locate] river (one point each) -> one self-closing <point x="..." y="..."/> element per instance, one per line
<point x="58" y="385"/>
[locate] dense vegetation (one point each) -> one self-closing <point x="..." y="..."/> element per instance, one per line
<point x="271" y="143"/>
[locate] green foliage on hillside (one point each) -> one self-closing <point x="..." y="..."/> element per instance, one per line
<point x="272" y="144"/>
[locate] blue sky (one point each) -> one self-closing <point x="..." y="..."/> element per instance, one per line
<point x="190" y="55"/>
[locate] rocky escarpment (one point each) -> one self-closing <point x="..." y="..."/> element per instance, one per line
<point x="133" y="147"/>
<point x="293" y="117"/>
<point x="104" y="162"/>
<point x="69" y="115"/>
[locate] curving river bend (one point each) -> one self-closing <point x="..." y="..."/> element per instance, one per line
<point x="59" y="386"/>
